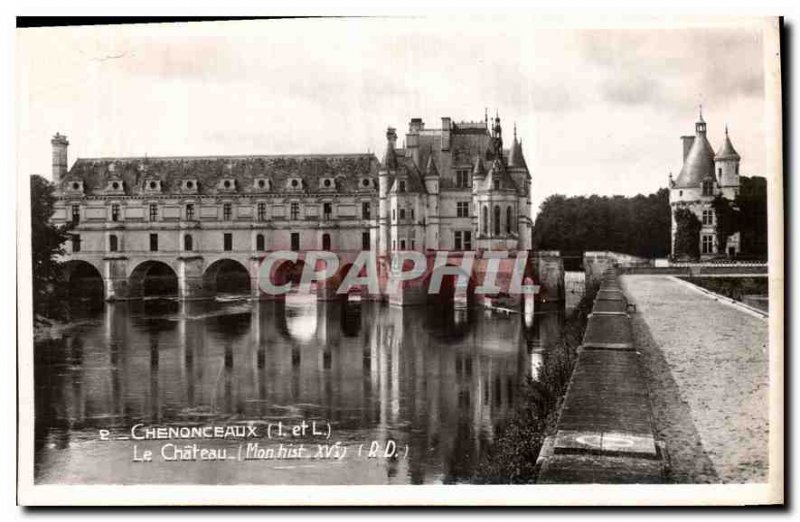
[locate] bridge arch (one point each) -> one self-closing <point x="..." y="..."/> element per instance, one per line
<point x="286" y="271"/>
<point x="227" y="276"/>
<point x="84" y="280"/>
<point x="451" y="293"/>
<point x="153" y="279"/>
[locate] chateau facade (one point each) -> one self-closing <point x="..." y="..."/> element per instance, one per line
<point x="196" y="219"/>
<point x="703" y="176"/>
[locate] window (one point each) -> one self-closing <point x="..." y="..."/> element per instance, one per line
<point x="719" y="172"/>
<point x="153" y="242"/>
<point x="227" y="241"/>
<point x="708" y="217"/>
<point x="394" y="215"/>
<point x="508" y="220"/>
<point x="365" y="210"/>
<point x="189" y="212"/>
<point x="485" y="220"/>
<point x="708" y="244"/>
<point x="187" y="242"/>
<point x="496" y="220"/>
<point x="496" y="182"/>
<point x="294" y="210"/>
<point x="76" y="214"/>
<point x="457" y="244"/>
<point x="261" y="211"/>
<point x="327" y="210"/>
<point x="462" y="209"/>
<point x="260" y="245"/>
<point x="153" y="211"/>
<point x="394" y="244"/>
<point x="226" y="211"/>
<point x="115" y="212"/>
<point x="402" y="244"/>
<point x="295" y="241"/>
<point x="412" y="214"/>
<point x="401" y="186"/>
<point x="402" y="214"/>
<point x="467" y="240"/>
<point x="326" y="241"/>
<point x="112" y="243"/>
<point x="708" y="188"/>
<point x="462" y="178"/>
<point x="76" y="242"/>
<point x="365" y="243"/>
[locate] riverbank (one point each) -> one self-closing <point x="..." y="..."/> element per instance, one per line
<point x="707" y="366"/>
<point x="511" y="459"/>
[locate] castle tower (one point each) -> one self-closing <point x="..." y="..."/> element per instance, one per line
<point x="432" y="188"/>
<point x="727" y="164"/>
<point x="60" y="144"/>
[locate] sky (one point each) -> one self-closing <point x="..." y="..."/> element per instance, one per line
<point x="598" y="111"/>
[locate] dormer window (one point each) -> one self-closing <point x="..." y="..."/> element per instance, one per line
<point x="115" y="186"/>
<point x="365" y="182"/>
<point x="295" y="184"/>
<point x="327" y="184"/>
<point x="152" y="185"/>
<point x="227" y="185"/>
<point x="401" y="186"/>
<point x="262" y="184"/>
<point x="190" y="185"/>
<point x="496" y="182"/>
<point x="75" y="186"/>
<point x="708" y="188"/>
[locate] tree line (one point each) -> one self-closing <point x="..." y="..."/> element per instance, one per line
<point x="641" y="225"/>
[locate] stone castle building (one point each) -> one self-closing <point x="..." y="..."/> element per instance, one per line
<point x="199" y="223"/>
<point x="703" y="176"/>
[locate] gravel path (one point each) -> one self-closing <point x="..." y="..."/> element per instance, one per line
<point x="708" y="377"/>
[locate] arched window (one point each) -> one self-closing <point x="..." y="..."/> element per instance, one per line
<point x="112" y="243"/>
<point x="187" y="243"/>
<point x="485" y="220"/>
<point x="260" y="246"/>
<point x="496" y="220"/>
<point x="326" y="241"/>
<point x="508" y="220"/>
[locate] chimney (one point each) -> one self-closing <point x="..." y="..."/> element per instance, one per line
<point x="60" y="144"/>
<point x="412" y="140"/>
<point x="688" y="141"/>
<point x="445" y="133"/>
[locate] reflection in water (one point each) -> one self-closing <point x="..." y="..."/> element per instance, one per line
<point x="436" y="379"/>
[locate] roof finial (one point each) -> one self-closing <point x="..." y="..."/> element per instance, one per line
<point x="486" y="116"/>
<point x="726" y="129"/>
<point x="515" y="131"/>
<point x="701" y="111"/>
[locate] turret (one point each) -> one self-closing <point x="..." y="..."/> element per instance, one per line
<point x="60" y="144"/>
<point x="726" y="162"/>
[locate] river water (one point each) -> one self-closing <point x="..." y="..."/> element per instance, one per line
<point x="411" y="395"/>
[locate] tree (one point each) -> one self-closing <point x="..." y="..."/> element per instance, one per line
<point x="687" y="234"/>
<point x="727" y="221"/>
<point x="639" y="225"/>
<point x="752" y="222"/>
<point x="46" y="244"/>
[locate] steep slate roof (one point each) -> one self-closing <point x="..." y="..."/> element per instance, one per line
<point x="699" y="164"/>
<point x="346" y="169"/>
<point x="515" y="157"/>
<point x="727" y="151"/>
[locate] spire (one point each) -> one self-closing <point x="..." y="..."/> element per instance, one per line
<point x="700" y="126"/>
<point x="727" y="152"/>
<point x="515" y="156"/>
<point x="431" y="169"/>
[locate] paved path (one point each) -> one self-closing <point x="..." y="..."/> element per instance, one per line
<point x="708" y="377"/>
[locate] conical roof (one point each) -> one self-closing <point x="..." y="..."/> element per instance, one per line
<point x="431" y="169"/>
<point x="699" y="164"/>
<point x="727" y="151"/>
<point x="478" y="169"/>
<point x="515" y="157"/>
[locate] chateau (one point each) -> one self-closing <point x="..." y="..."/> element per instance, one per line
<point x="197" y="224"/>
<point x="703" y="176"/>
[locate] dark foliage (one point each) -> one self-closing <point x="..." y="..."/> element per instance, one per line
<point x="733" y="287"/>
<point x="727" y="220"/>
<point x="638" y="225"/>
<point x="687" y="234"/>
<point x="752" y="216"/>
<point x="46" y="243"/>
